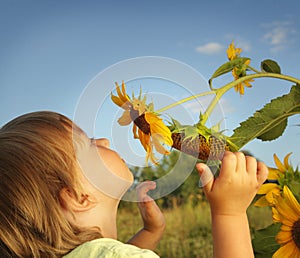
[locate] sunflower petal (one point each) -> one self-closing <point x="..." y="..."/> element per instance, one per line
<point x="157" y="126"/>
<point x="261" y="202"/>
<point x="278" y="163"/>
<point x="134" y="130"/>
<point x="285" y="251"/>
<point x="273" y="173"/>
<point x="283" y="237"/>
<point x="286" y="160"/>
<point x="233" y="52"/>
<point x="158" y="146"/>
<point x="275" y="215"/>
<point x="265" y="188"/>
<point x="272" y="195"/>
<point x="291" y="200"/>
<point x="117" y="100"/>
<point x="144" y="139"/>
<point x="125" y="119"/>
<point x="285" y="228"/>
<point x="123" y="88"/>
<point x="286" y="213"/>
<point x="123" y="96"/>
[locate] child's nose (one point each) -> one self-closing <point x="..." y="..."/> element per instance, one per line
<point x="103" y="142"/>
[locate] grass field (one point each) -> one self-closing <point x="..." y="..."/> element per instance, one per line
<point x="188" y="230"/>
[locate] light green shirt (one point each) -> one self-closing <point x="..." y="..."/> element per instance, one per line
<point x="109" y="248"/>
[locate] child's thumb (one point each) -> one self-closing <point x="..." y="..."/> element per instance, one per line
<point x="206" y="176"/>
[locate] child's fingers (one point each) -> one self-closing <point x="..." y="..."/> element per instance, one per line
<point x="240" y="162"/>
<point x="251" y="164"/>
<point x="229" y="163"/>
<point x="206" y="176"/>
<point x="262" y="172"/>
<point x="143" y="188"/>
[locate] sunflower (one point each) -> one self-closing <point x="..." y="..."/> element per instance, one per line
<point x="271" y="191"/>
<point x="148" y="127"/>
<point x="240" y="71"/>
<point x="233" y="52"/>
<point x="287" y="212"/>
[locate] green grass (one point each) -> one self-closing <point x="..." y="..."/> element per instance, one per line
<point x="188" y="229"/>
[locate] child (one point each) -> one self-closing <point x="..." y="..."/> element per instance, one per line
<point x="48" y="208"/>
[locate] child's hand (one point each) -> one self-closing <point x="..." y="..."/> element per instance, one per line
<point x="229" y="196"/>
<point x="232" y="192"/>
<point x="152" y="216"/>
<point x="154" y="222"/>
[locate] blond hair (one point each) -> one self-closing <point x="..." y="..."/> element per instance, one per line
<point x="38" y="160"/>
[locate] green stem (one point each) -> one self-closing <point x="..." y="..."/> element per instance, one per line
<point x="271" y="75"/>
<point x="184" y="100"/>
<point x="220" y="92"/>
<point x="253" y="69"/>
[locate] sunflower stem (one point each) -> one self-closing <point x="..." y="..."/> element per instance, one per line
<point x="220" y="91"/>
<point x="253" y="69"/>
<point x="184" y="100"/>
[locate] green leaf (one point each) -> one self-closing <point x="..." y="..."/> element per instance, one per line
<point x="228" y="66"/>
<point x="269" y="122"/>
<point x="270" y="66"/>
<point x="264" y="242"/>
<point x="276" y="132"/>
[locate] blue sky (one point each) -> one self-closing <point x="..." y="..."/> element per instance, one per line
<point x="51" y="50"/>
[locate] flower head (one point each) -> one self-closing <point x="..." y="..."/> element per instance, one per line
<point x="239" y="71"/>
<point x="271" y="191"/>
<point x="233" y="52"/>
<point x="287" y="212"/>
<point x="148" y="127"/>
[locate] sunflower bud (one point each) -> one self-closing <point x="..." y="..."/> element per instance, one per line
<point x="200" y="147"/>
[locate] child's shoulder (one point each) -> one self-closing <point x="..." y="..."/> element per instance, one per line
<point x="107" y="247"/>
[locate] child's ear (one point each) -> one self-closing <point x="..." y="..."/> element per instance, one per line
<point x="70" y="202"/>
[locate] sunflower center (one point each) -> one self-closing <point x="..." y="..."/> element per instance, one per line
<point x="296" y="233"/>
<point x="140" y="121"/>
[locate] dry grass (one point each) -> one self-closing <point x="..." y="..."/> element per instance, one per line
<point x="188" y="231"/>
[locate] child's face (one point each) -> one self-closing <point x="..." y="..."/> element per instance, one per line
<point x="103" y="167"/>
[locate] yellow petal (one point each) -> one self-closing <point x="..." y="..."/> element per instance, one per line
<point x="265" y="188"/>
<point x="233" y="52"/>
<point x="123" y="88"/>
<point x="286" y="160"/>
<point x="151" y="117"/>
<point x="134" y="130"/>
<point x="157" y="126"/>
<point x="273" y="173"/>
<point x="278" y="163"/>
<point x="117" y="100"/>
<point x="286" y="213"/>
<point x="123" y="96"/>
<point x="125" y="119"/>
<point x="261" y="202"/>
<point x="291" y="200"/>
<point x="149" y="150"/>
<point x="272" y="195"/>
<point x="285" y="251"/>
<point x="158" y="146"/>
<point x="163" y="136"/>
<point x="285" y="228"/>
<point x="283" y="237"/>
<point x="247" y="83"/>
<point x="230" y="51"/>
<point x="247" y="62"/>
<point x="144" y="139"/>
<point x="275" y="215"/>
